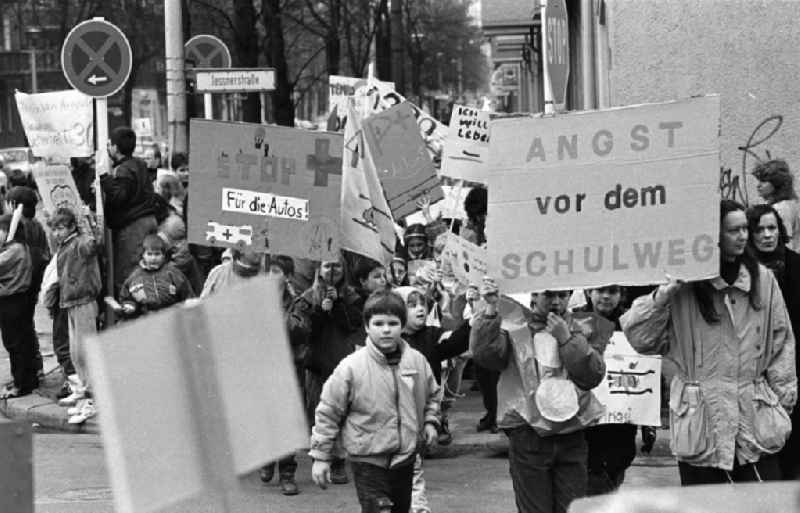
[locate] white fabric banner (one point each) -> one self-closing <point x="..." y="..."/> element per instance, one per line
<point x="58" y="125"/>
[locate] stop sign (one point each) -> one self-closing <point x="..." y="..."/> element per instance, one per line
<point x="556" y="30"/>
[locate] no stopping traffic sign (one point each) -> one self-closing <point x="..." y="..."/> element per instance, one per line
<point x="96" y="58"/>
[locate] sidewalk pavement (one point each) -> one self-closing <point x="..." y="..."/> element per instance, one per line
<point x="41" y="407"/>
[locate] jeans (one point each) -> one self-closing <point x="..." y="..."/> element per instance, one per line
<point x="547" y="472"/>
<point x="18" y="335"/>
<point x="61" y="340"/>
<point x="604" y="481"/>
<point x="374" y="482"/>
<point x="81" y="323"/>
<point x="766" y="469"/>
<point x="487" y="379"/>
<point x="419" y="499"/>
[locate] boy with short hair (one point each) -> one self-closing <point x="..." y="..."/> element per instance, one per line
<point x="156" y="283"/>
<point x="79" y="284"/>
<point x="382" y="400"/>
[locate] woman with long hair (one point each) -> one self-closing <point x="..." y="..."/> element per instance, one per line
<point x="768" y="240"/>
<point x="731" y="340"/>
<point x="776" y="187"/>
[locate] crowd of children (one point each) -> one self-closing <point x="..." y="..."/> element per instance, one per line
<point x="371" y="343"/>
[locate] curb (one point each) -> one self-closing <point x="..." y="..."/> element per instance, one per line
<point x="43" y="411"/>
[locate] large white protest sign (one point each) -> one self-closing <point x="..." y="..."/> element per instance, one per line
<point x="466" y="149"/>
<point x="223" y="397"/>
<point x="631" y="389"/>
<point x="615" y="196"/>
<point x="341" y="88"/>
<point x="58" y="125"/>
<point x="367" y="224"/>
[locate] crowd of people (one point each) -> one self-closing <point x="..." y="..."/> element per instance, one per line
<point x="379" y="348"/>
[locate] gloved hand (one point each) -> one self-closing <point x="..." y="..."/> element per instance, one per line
<point x="648" y="438"/>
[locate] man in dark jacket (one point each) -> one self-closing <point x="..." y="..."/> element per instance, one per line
<point x="128" y="203"/>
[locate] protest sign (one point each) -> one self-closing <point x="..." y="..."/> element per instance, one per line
<point x="401" y="159"/>
<point x="267" y="188"/>
<point x="58" y="125"/>
<point x="433" y="132"/>
<point x="466" y="149"/>
<point x="224" y="414"/>
<point x="56" y="187"/>
<point x="613" y="196"/>
<point x="631" y="389"/>
<point x="467" y="260"/>
<point x="367" y="225"/>
<point x="341" y="88"/>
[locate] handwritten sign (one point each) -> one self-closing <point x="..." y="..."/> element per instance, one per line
<point x="466" y="149"/>
<point x="401" y="159"/>
<point x="467" y="260"/>
<point x="613" y="196"/>
<point x="631" y="390"/>
<point x="269" y="188"/>
<point x="341" y="88"/>
<point x="56" y="187"/>
<point x="58" y="124"/>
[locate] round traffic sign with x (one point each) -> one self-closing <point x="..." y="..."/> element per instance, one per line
<point x="204" y="51"/>
<point x="96" y="58"/>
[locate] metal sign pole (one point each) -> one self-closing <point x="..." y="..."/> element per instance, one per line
<point x="101" y="165"/>
<point x="549" y="107"/>
<point x="208" y="106"/>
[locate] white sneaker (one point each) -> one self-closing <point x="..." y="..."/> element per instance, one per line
<point x="87" y="411"/>
<point x="78" y="390"/>
<point x="77" y="408"/>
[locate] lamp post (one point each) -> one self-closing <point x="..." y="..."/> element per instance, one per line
<point x="33" y="33"/>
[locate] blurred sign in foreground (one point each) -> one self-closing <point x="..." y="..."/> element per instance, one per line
<point x="194" y="396"/>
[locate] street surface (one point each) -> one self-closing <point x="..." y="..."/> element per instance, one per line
<point x="70" y="477"/>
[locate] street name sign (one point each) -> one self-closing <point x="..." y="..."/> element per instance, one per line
<point x="96" y="58"/>
<point x="235" y="80"/>
<point x="205" y="51"/>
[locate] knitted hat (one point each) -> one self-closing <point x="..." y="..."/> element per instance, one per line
<point x="416" y="230"/>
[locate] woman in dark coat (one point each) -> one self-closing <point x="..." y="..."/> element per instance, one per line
<point x="768" y="238"/>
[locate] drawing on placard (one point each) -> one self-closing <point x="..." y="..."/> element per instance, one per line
<point x="241" y="235"/>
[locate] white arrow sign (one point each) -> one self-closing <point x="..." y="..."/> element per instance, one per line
<point x="94" y="79"/>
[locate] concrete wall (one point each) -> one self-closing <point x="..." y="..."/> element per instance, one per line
<point x="748" y="51"/>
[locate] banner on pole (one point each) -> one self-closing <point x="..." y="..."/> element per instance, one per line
<point x="268" y="188"/>
<point x="401" y="159"/>
<point x="614" y="196"/>
<point x="367" y="224"/>
<point x="341" y="88"/>
<point x="631" y="390"/>
<point x="58" y="125"/>
<point x="466" y="149"/>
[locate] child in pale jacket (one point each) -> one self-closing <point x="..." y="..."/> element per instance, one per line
<point x="383" y="401"/>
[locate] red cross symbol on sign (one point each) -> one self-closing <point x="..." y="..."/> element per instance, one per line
<point x="96" y="58"/>
<point x="322" y="163"/>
